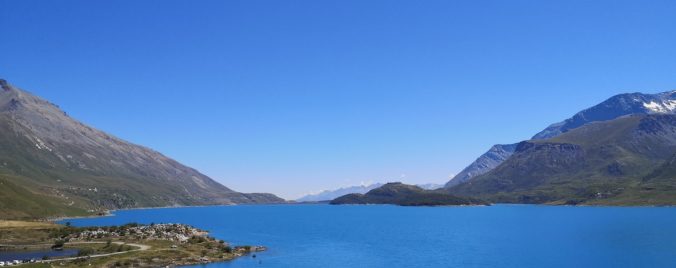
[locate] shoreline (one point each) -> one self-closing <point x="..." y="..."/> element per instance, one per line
<point x="141" y="245"/>
<point x="111" y="213"/>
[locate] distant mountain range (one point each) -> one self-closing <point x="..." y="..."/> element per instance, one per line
<point x="619" y="152"/>
<point x="53" y="165"/>
<point x="327" y="195"/>
<point x="332" y="194"/>
<point x="614" y="107"/>
<point x="430" y="186"/>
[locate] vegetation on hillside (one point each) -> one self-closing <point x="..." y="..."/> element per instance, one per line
<point x="405" y="195"/>
<point x="53" y="165"/>
<point x="625" y="161"/>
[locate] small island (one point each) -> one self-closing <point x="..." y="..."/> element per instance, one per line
<point x="130" y="245"/>
<point x="397" y="193"/>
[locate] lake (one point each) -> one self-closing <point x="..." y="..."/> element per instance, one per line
<point x="392" y="236"/>
<point x="36" y="254"/>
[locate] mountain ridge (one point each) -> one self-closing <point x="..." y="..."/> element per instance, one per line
<point x="50" y="154"/>
<point x="624" y="161"/>
<point x="328" y="195"/>
<point x="611" y="108"/>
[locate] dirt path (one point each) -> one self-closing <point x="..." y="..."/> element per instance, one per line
<point x="140" y="247"/>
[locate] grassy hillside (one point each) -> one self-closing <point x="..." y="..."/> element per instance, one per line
<point x="54" y="165"/>
<point x="608" y="162"/>
<point x="405" y="195"/>
<point x="18" y="202"/>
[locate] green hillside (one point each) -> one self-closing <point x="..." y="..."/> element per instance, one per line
<point x="53" y="165"/>
<point x="405" y="195"/>
<point x="18" y="202"/>
<point x="618" y="162"/>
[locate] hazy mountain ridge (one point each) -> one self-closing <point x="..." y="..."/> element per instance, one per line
<point x="328" y="195"/>
<point x="332" y="194"/>
<point x="430" y="186"/>
<point x="612" y="108"/>
<point x="48" y="153"/>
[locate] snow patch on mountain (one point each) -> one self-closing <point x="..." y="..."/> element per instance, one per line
<point x="662" y="107"/>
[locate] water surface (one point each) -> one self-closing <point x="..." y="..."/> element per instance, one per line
<point x="392" y="236"/>
<point x="37" y="254"/>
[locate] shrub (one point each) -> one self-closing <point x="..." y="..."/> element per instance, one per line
<point x="59" y="243"/>
<point x="85" y="252"/>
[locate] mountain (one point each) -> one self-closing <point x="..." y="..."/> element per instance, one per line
<point x="625" y="161"/>
<point x="327" y="195"/>
<point x="53" y="165"/>
<point x="430" y="186"/>
<point x="405" y="195"/>
<point x="486" y="162"/>
<point x="614" y="107"/>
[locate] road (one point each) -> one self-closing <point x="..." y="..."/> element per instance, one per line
<point x="140" y="247"/>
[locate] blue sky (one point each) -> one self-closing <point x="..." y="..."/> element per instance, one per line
<point x="292" y="97"/>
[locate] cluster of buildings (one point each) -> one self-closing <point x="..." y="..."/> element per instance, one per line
<point x="15" y="262"/>
<point x="169" y="231"/>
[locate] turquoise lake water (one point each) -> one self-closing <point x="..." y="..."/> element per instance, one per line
<point x="392" y="236"/>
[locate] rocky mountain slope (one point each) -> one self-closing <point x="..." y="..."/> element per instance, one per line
<point x="625" y="161"/>
<point x="47" y="156"/>
<point x="486" y="162"/>
<point x="614" y="107"/>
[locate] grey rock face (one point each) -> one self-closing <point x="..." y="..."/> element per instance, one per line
<point x="486" y="162"/>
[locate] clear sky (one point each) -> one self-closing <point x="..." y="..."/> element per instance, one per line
<point x="292" y="97"/>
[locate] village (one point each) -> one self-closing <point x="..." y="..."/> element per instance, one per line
<point x="180" y="233"/>
<point x="129" y="245"/>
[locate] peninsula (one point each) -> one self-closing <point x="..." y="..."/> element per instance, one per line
<point x="130" y="245"/>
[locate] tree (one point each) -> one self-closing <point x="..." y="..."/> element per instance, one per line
<point x="58" y="244"/>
